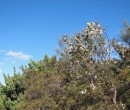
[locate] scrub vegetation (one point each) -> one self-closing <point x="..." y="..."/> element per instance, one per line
<point x="85" y="76"/>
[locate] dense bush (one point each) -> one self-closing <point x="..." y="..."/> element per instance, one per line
<point x="85" y="76"/>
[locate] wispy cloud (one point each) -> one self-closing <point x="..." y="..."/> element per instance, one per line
<point x="7" y="59"/>
<point x="19" y="55"/>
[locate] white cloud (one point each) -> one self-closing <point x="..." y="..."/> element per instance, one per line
<point x="19" y="55"/>
<point x="7" y="59"/>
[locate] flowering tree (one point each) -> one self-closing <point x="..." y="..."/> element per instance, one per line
<point x="89" y="71"/>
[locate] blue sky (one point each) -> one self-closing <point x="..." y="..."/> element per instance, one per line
<point x="31" y="28"/>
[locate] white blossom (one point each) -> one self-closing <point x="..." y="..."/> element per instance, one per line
<point x="92" y="33"/>
<point x="76" y="39"/>
<point x="83" y="92"/>
<point x="92" y="86"/>
<point x="95" y="76"/>
<point x="90" y="24"/>
<point x="100" y="32"/>
<point x="115" y="62"/>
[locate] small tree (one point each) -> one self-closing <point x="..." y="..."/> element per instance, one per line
<point x="10" y="93"/>
<point x="123" y="50"/>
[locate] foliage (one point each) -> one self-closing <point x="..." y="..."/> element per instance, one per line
<point x="11" y="91"/>
<point x="84" y="78"/>
<point x="125" y="34"/>
<point x="124" y="66"/>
